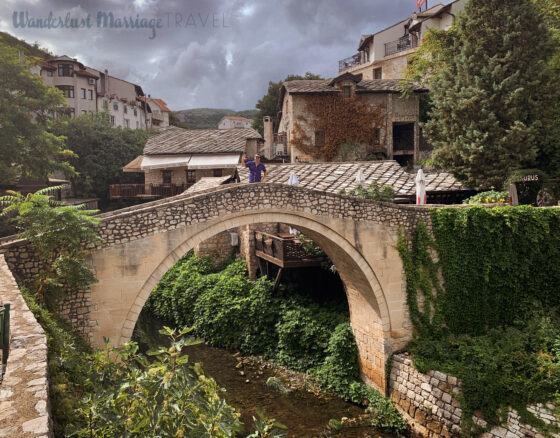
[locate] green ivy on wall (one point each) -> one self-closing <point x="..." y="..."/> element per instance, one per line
<point x="488" y="310"/>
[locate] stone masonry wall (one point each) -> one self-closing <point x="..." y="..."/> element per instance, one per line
<point x="429" y="405"/>
<point x="218" y="248"/>
<point x="24" y="401"/>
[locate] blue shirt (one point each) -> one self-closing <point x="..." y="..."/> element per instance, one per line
<point x="255" y="171"/>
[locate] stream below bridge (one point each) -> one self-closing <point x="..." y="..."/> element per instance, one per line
<point x="305" y="413"/>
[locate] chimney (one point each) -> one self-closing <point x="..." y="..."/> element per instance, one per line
<point x="268" y="136"/>
<point x="106" y="85"/>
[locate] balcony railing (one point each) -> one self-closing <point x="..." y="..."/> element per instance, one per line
<point x="145" y="191"/>
<point x="351" y="61"/>
<point x="284" y="251"/>
<point x="280" y="145"/>
<point x="404" y="43"/>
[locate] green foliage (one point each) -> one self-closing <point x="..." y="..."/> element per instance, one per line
<point x="488" y="326"/>
<point x="228" y="310"/>
<point x="102" y="151"/>
<point x="309" y="246"/>
<point x="175" y="120"/>
<point x="208" y="118"/>
<point x="27" y="107"/>
<point x="488" y="197"/>
<point x="495" y="263"/>
<point x="59" y="233"/>
<point x="167" y="396"/>
<point x="268" y="104"/>
<point x="267" y="428"/>
<point x="31" y="50"/>
<point x="495" y="104"/>
<point x="373" y="192"/>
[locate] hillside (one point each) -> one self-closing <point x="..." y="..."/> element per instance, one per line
<point x="208" y="118"/>
<point x="28" y="49"/>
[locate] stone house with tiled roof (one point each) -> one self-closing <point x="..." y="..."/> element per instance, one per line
<point x="229" y="122"/>
<point x="157" y="113"/>
<point x="180" y="157"/>
<point x="396" y="135"/>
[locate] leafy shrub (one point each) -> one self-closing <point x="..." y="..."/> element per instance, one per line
<point x="489" y="197"/>
<point x="228" y="310"/>
<point x="373" y="192"/>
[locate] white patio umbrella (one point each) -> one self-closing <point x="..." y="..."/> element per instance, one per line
<point x="421" y="197"/>
<point x="293" y="181"/>
<point x="360" y="178"/>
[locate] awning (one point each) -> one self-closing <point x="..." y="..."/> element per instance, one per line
<point x="214" y="161"/>
<point x="164" y="161"/>
<point x="134" y="165"/>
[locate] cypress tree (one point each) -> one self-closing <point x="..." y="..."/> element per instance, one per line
<point x="492" y="98"/>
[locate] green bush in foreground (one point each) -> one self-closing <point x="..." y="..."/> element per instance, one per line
<point x="117" y="392"/>
<point x="227" y="309"/>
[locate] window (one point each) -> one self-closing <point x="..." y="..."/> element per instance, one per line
<point x="112" y="120"/>
<point x="376" y="135"/>
<point x="191" y="176"/>
<point x="83" y="93"/>
<point x="126" y="123"/>
<point x="166" y="176"/>
<point x="116" y="106"/>
<point x="378" y="73"/>
<point x="319" y="138"/>
<point x="67" y="90"/>
<point x="135" y="112"/>
<point x="65" y="69"/>
<point x="72" y="112"/>
<point x="105" y="102"/>
<point x="90" y="94"/>
<point x="49" y="73"/>
<point x="217" y="173"/>
<point x="137" y="124"/>
<point x="84" y="112"/>
<point x="125" y="109"/>
<point x="347" y="92"/>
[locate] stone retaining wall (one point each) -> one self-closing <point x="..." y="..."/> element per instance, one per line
<point x="24" y="401"/>
<point x="428" y="404"/>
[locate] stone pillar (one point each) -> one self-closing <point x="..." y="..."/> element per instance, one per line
<point x="247" y="250"/>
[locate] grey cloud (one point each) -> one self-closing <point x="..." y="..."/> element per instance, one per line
<point x="187" y="66"/>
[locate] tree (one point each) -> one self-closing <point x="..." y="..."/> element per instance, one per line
<point x="59" y="233"/>
<point x="102" y="151"/>
<point x="174" y="120"/>
<point x="492" y="91"/>
<point x="268" y="105"/>
<point x="27" y="108"/>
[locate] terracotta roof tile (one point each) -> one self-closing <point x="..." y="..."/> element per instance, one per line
<point x="175" y="140"/>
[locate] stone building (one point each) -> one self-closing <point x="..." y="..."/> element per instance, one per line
<point x="397" y="136"/>
<point x="384" y="55"/>
<point x="229" y="122"/>
<point x="177" y="158"/>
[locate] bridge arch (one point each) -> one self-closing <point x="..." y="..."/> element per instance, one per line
<point x="360" y="236"/>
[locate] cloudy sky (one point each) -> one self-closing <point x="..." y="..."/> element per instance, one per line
<point x="207" y="53"/>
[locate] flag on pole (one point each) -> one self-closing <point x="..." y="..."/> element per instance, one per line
<point x="419" y="3"/>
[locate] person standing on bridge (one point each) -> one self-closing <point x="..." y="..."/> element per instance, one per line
<point x="255" y="168"/>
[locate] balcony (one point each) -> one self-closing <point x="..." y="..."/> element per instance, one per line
<point x="280" y="146"/>
<point x="145" y="191"/>
<point x="284" y="250"/>
<point x="349" y="62"/>
<point x="404" y="43"/>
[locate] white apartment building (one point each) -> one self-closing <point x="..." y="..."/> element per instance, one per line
<point x="384" y="55"/>
<point x="89" y="90"/>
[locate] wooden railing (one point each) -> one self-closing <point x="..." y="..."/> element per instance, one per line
<point x="147" y="191"/>
<point x="285" y="251"/>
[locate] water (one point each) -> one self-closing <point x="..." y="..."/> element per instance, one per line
<point x="304" y="413"/>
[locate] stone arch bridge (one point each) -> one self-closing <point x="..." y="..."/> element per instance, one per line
<point x="141" y="243"/>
